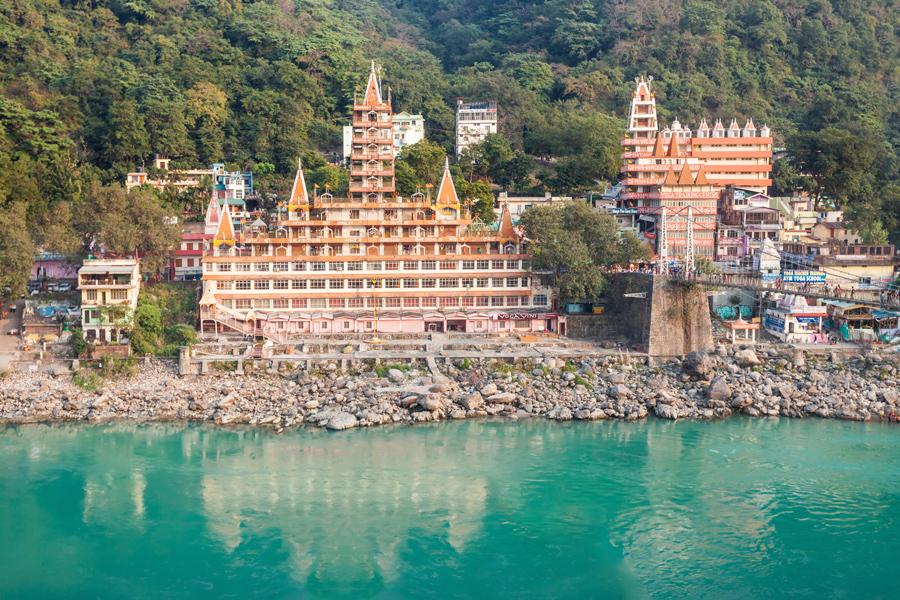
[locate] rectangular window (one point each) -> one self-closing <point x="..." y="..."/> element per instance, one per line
<point x="429" y="283"/>
<point x="318" y="266"/>
<point x="354" y="266"/>
<point x="347" y="325"/>
<point x="498" y="282"/>
<point x="411" y="302"/>
<point x="449" y="301"/>
<point x="512" y="300"/>
<point x="449" y="283"/>
<point x="355" y="284"/>
<point x="337" y="266"/>
<point x="262" y="303"/>
<point x="429" y="302"/>
<point x="512" y="282"/>
<point x="539" y="300"/>
<point x="482" y="282"/>
<point x="483" y="265"/>
<point x="468" y="264"/>
<point x="261" y="284"/>
<point x="336" y="284"/>
<point x="224" y="285"/>
<point x="449" y="265"/>
<point x="242" y="267"/>
<point x="224" y="267"/>
<point x="91" y="295"/>
<point x="298" y="266"/>
<point x="410" y="265"/>
<point x="497" y="301"/>
<point x="280" y="266"/>
<point x="392" y="302"/>
<point x="261" y="266"/>
<point x="354" y="213"/>
<point x="374" y="266"/>
<point x="497" y="264"/>
<point x="242" y="303"/>
<point x="373" y="283"/>
<point x="335" y="303"/>
<point x="392" y="283"/>
<point x="392" y="265"/>
<point x="468" y="301"/>
<point x="317" y="284"/>
<point x="317" y="302"/>
<point x="429" y="265"/>
<point x="298" y="302"/>
<point x="298" y="284"/>
<point x="512" y="264"/>
<point x="410" y="283"/>
<point x="242" y="284"/>
<point x="526" y="265"/>
<point x="281" y="303"/>
<point x="376" y="302"/>
<point x="354" y="302"/>
<point x="281" y="284"/>
<point x="118" y="295"/>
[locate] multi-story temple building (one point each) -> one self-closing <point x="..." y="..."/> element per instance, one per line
<point x="671" y="172"/>
<point x="373" y="261"/>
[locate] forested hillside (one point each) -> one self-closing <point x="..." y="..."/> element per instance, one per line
<point x="91" y="88"/>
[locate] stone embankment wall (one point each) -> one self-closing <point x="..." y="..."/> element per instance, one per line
<point x="766" y="381"/>
<point x="671" y="320"/>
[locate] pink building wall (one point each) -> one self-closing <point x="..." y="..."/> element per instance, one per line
<point x="53" y="269"/>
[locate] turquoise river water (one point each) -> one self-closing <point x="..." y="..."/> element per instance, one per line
<point x="733" y="509"/>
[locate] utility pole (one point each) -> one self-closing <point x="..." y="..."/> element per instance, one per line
<point x="689" y="258"/>
<point x="663" y="243"/>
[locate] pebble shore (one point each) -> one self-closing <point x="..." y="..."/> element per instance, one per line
<point x="773" y="381"/>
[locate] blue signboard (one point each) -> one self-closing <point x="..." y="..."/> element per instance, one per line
<point x="773" y="321"/>
<point x="795" y="277"/>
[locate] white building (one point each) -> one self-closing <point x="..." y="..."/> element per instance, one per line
<point x="517" y="205"/>
<point x="408" y="130"/>
<point x="474" y="122"/>
<point x="109" y="296"/>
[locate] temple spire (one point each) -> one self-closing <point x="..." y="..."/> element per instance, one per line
<point x="373" y="88"/>
<point x="225" y="232"/>
<point x="674" y="151"/>
<point x="211" y="222"/>
<point x="299" y="196"/>
<point x="446" y="194"/>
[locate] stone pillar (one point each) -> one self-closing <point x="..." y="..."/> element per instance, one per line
<point x="204" y="367"/>
<point x="240" y="367"/>
<point x="184" y="360"/>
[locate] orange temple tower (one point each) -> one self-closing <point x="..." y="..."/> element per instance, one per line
<point x="373" y="262"/>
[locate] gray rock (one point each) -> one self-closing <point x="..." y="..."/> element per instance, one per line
<point x="340" y="421"/>
<point x="797" y="358"/>
<point x="568" y="376"/>
<point x="472" y="401"/>
<point x="618" y="391"/>
<point x="719" y="390"/>
<point x="502" y="398"/>
<point x="396" y="375"/>
<point x="431" y="402"/>
<point x="746" y="358"/>
<point x="665" y="411"/>
<point x="697" y="364"/>
<point x="616" y="378"/>
<point x="489" y="389"/>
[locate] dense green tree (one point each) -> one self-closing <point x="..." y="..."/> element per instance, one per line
<point x="419" y="165"/>
<point x="16" y="249"/>
<point x="575" y="243"/>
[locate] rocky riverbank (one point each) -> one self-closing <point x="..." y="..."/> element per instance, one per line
<point x="757" y="382"/>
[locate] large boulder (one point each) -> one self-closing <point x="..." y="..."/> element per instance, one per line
<point x="502" y="398"/>
<point x="431" y="402"/>
<point x="489" y="389"/>
<point x="746" y="358"/>
<point x="665" y="411"/>
<point x="396" y="375"/>
<point x="340" y="421"/>
<point x="472" y="401"/>
<point x="719" y="390"/>
<point x="618" y="391"/>
<point x="697" y="364"/>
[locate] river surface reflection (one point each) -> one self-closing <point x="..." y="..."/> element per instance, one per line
<point x="737" y="509"/>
